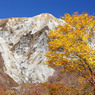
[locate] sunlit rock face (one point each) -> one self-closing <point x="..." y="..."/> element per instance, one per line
<point x="23" y="44"/>
<point x="92" y="40"/>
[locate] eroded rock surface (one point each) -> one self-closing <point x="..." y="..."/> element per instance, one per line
<point x="23" y="44"/>
<point x="5" y="80"/>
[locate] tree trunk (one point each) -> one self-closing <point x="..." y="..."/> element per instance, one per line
<point x="92" y="81"/>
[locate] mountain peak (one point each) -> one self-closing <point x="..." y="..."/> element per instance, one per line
<point x="23" y="44"/>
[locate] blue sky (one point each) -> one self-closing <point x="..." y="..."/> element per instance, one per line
<point x="30" y="8"/>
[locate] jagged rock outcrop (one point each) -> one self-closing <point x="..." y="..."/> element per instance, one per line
<point x="23" y="44"/>
<point x="5" y="80"/>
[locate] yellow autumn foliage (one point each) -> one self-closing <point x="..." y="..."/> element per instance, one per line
<point x="69" y="44"/>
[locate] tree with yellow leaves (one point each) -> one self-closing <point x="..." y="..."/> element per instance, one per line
<point x="69" y="45"/>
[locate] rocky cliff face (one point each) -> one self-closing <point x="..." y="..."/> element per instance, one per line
<point x="23" y="44"/>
